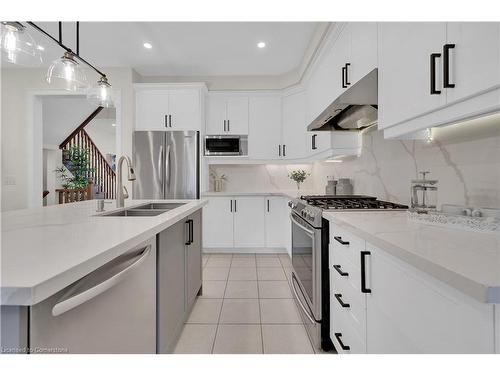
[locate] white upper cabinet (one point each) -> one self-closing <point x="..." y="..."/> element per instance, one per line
<point x="294" y="129"/>
<point x="166" y="108"/>
<point x="151" y="110"/>
<point x="433" y="74"/>
<point x="185" y="109"/>
<point x="363" y="50"/>
<point x="237" y="115"/>
<point x="216" y="115"/>
<point x="264" y="139"/>
<point x="405" y="69"/>
<point x="474" y="58"/>
<point x="227" y="114"/>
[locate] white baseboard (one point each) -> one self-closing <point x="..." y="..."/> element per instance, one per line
<point x="245" y="250"/>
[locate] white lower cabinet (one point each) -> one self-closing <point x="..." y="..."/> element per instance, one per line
<point x="276" y="221"/>
<point x="249" y="225"/>
<point x="218" y="223"/>
<point x="246" y="223"/>
<point x="380" y="304"/>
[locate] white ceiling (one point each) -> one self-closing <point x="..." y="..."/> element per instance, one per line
<point x="187" y="48"/>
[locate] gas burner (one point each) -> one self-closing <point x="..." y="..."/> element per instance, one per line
<point x="349" y="202"/>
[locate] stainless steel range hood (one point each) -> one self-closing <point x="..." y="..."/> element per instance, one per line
<point x="354" y="110"/>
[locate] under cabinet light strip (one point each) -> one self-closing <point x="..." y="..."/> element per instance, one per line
<point x="38" y="28"/>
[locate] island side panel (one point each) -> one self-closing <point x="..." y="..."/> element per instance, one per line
<point x="14" y="329"/>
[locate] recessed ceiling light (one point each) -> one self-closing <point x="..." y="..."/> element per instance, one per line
<point x="40" y="48"/>
<point x="148" y="45"/>
<point x="261" y="44"/>
<point x="113" y="124"/>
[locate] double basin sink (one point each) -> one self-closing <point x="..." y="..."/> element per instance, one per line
<point x="150" y="209"/>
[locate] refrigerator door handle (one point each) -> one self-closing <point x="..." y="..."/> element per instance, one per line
<point x="88" y="294"/>
<point x="166" y="180"/>
<point x="162" y="170"/>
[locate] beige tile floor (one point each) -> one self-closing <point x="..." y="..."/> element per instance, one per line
<point x="246" y="308"/>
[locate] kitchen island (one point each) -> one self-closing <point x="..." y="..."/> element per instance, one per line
<point x="46" y="250"/>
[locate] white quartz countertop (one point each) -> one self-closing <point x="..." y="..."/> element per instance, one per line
<point x="466" y="260"/>
<point x="283" y="193"/>
<point x="46" y="249"/>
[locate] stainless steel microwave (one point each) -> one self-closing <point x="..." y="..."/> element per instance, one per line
<point x="226" y="145"/>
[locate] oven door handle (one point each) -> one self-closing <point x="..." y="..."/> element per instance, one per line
<point x="308" y="231"/>
<point x="307" y="311"/>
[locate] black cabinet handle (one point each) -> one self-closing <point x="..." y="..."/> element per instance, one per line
<point x="446" y="66"/>
<point x="191" y="231"/>
<point x="343" y="77"/>
<point x="344" y="347"/>
<point x="338" y="297"/>
<point x="347" y="65"/>
<point x="339" y="270"/>
<point x="187" y="231"/>
<point x="228" y="128"/>
<point x="268" y="205"/>
<point x="166" y="121"/>
<point x="339" y="239"/>
<point x="231" y="201"/>
<point x="224" y="125"/>
<point x="284" y="150"/>
<point x="434" y="56"/>
<point x="235" y="205"/>
<point x="279" y="150"/>
<point x="170" y="120"/>
<point x="313" y="141"/>
<point x="364" y="289"/>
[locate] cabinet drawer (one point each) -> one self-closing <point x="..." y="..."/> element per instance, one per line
<point x="343" y="291"/>
<point x="341" y="324"/>
<point x="339" y="262"/>
<point x="346" y="244"/>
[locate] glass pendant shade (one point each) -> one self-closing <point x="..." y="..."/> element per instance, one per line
<point x="18" y="46"/>
<point x="101" y="93"/>
<point x="67" y="74"/>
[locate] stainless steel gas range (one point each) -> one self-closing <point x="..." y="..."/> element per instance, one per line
<point x="310" y="240"/>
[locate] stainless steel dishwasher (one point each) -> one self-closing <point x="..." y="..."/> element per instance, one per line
<point x="111" y="310"/>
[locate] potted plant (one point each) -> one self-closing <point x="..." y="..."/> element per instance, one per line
<point x="78" y="165"/>
<point x="299" y="176"/>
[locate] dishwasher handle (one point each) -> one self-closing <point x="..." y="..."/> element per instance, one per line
<point x="80" y="298"/>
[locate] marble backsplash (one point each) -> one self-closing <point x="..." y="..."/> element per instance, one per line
<point x="465" y="158"/>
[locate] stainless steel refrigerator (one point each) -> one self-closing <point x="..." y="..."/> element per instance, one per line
<point x="166" y="165"/>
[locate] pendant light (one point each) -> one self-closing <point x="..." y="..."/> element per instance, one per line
<point x="67" y="73"/>
<point x="101" y="93"/>
<point x="18" y="46"/>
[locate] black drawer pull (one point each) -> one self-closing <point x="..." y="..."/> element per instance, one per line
<point x="339" y="270"/>
<point x="434" y="56"/>
<point x="364" y="289"/>
<point x="344" y="347"/>
<point x="446" y="66"/>
<point x="338" y="297"/>
<point x="339" y="239"/>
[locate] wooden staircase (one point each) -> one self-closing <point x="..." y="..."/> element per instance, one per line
<point x="103" y="177"/>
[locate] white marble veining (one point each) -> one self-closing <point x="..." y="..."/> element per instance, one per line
<point x="46" y="249"/>
<point x="281" y="193"/>
<point x="467" y="261"/>
<point x="464" y="158"/>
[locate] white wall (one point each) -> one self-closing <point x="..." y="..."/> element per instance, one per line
<point x="103" y="134"/>
<point x="62" y="114"/>
<point x="16" y="85"/>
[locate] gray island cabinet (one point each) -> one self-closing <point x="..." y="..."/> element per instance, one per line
<point x="179" y="278"/>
